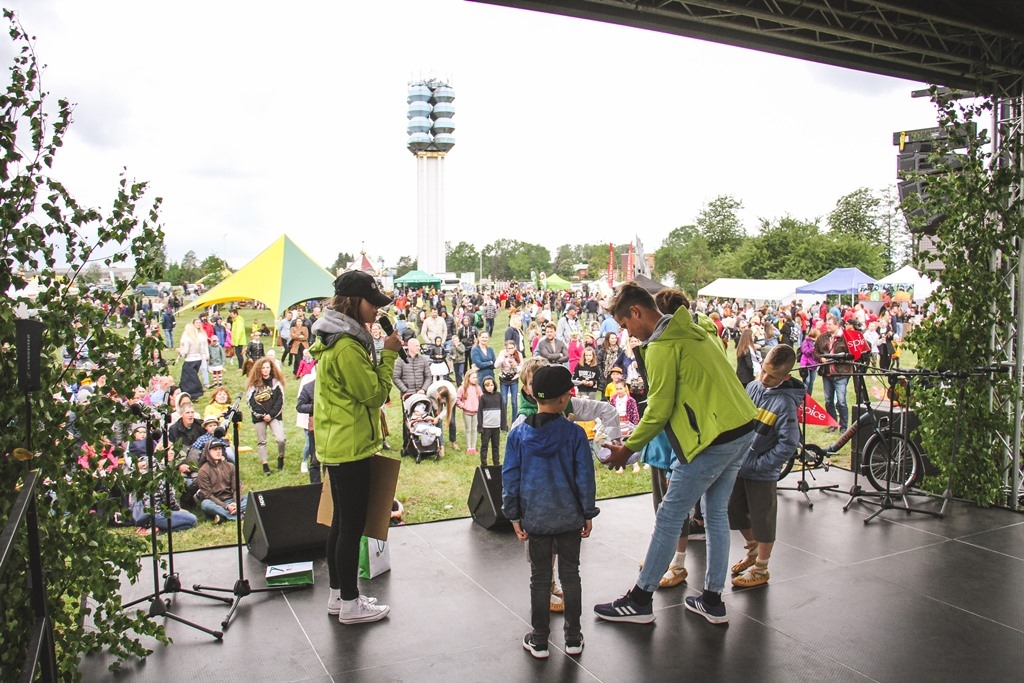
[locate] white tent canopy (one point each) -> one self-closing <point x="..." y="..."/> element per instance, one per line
<point x="923" y="285"/>
<point x="752" y="290"/>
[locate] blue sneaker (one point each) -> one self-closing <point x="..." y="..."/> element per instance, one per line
<point x="625" y="609"/>
<point x="713" y="613"/>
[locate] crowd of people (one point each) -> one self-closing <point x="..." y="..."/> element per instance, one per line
<point x="652" y="375"/>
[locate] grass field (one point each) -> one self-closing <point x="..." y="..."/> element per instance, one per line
<point x="429" y="491"/>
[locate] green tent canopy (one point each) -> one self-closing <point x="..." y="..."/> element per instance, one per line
<point x="556" y="283"/>
<point x="417" y="278"/>
<point x="281" y="275"/>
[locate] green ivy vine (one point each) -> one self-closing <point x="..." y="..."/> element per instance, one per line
<point x="978" y="245"/>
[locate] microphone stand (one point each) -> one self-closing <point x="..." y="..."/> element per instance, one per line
<point x="157" y="604"/>
<point x="241" y="587"/>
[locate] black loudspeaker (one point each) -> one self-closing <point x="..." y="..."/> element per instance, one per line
<point x="485" y="498"/>
<point x="882" y="412"/>
<point x="280" y="525"/>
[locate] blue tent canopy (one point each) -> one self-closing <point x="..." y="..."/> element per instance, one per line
<point x="839" y="281"/>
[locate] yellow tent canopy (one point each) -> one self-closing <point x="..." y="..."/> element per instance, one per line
<point x="280" y="276"/>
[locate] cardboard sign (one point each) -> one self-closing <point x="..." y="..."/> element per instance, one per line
<point x="383" y="484"/>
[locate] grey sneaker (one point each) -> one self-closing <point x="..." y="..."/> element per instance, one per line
<point x="361" y="610"/>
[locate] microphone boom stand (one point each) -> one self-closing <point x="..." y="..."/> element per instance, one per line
<point x="157" y="603"/>
<point x="241" y="587"/>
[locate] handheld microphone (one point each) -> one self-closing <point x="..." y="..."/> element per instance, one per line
<point x="389" y="329"/>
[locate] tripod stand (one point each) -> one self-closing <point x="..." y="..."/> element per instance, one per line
<point x="802" y="486"/>
<point x="241" y="587"/>
<point x="172" y="584"/>
<point x="893" y="498"/>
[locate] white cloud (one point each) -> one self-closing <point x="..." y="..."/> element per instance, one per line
<point x="256" y="118"/>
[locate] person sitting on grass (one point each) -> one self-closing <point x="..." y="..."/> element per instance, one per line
<point x="753" y="506"/>
<point x="217" y="484"/>
<point x="144" y="509"/>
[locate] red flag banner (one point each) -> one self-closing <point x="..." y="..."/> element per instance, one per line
<point x="814" y="414"/>
<point x="856" y="344"/>
<point x="611" y="264"/>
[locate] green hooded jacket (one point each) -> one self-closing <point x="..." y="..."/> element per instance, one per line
<point x="693" y="394"/>
<point x="350" y="389"/>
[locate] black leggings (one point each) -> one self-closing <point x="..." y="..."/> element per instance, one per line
<point x="350" y="490"/>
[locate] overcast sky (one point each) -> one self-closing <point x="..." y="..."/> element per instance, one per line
<point x="255" y="119"/>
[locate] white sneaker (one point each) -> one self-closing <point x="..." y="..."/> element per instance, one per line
<point x="361" y="610"/>
<point x="305" y="467"/>
<point x="334" y="605"/>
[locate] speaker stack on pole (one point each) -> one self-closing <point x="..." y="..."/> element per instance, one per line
<point x="280" y="524"/>
<point x="485" y="499"/>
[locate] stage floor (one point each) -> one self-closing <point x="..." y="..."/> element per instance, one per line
<point x="905" y="598"/>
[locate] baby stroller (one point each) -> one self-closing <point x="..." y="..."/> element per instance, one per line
<point x="423" y="438"/>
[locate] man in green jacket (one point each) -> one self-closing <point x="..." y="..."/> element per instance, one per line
<point x="694" y="398"/>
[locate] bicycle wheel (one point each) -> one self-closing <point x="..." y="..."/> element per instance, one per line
<point x="891" y="455"/>
<point x="788" y="466"/>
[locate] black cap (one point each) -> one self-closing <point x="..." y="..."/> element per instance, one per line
<point x="218" y="443"/>
<point x="551" y="381"/>
<point x="361" y="284"/>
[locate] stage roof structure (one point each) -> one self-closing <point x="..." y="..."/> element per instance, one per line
<point x="975" y="46"/>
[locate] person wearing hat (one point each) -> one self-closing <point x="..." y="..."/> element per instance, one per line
<point x="568" y="324"/>
<point x="209" y="428"/>
<point x="548" y="492"/>
<point x="352" y="385"/>
<point x="217" y="484"/>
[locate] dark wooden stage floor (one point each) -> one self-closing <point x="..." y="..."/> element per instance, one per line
<point x="906" y="598"/>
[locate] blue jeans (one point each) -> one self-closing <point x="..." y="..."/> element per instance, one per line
<point x="214" y="510"/>
<point x="510" y="394"/>
<point x="712" y="475"/>
<point x="180" y="519"/>
<point x="812" y="374"/>
<point x="835" y="399"/>
<point x="169" y="337"/>
<point x="460" y="370"/>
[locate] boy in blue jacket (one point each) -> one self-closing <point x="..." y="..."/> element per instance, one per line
<point x="548" y="492"/>
<point x="753" y="506"/>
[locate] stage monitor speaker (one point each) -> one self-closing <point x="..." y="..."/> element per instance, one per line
<point x="280" y="524"/>
<point x="485" y="498"/>
<point x="882" y="412"/>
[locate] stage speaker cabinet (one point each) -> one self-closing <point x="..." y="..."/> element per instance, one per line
<point x="280" y="525"/>
<point x="882" y="412"/>
<point x="485" y="498"/>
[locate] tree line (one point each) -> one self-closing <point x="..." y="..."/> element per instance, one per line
<point x="864" y="230"/>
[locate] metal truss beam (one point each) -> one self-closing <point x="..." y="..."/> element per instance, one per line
<point x="935" y="42"/>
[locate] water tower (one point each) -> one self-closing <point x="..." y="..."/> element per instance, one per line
<point x="430" y="129"/>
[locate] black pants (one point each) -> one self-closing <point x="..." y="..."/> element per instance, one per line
<point x="350" y="490"/>
<point x="541" y="548"/>
<point x="314" y="462"/>
<point x="489" y="436"/>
